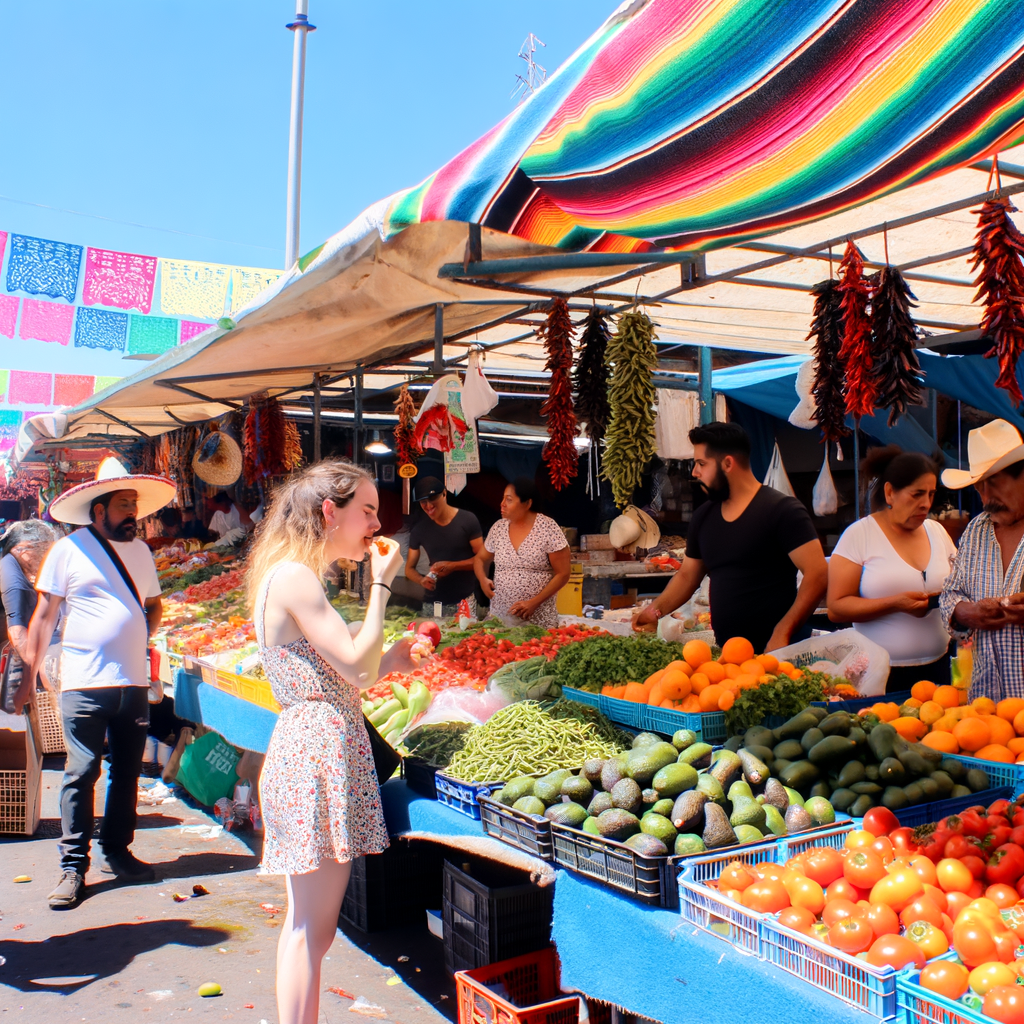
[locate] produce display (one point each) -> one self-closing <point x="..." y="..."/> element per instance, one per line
<point x="390" y="717"/>
<point x="607" y="659"/>
<point x="661" y="798"/>
<point x="437" y="743"/>
<point x="528" y="738"/>
<point x="207" y="638"/>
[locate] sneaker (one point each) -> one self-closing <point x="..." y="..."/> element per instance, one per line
<point x="127" y="867"/>
<point x="68" y="891"/>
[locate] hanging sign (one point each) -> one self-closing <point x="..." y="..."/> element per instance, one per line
<point x="407" y="471"/>
<point x="465" y="455"/>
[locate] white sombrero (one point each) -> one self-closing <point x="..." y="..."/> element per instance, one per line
<point x="73" y="506"/>
<point x="989" y="449"/>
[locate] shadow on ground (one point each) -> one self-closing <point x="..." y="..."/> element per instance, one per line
<point x="67" y="963"/>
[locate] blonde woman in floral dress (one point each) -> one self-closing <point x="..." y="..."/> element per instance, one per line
<point x="318" y="791"/>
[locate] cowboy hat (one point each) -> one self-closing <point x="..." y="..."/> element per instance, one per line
<point x="74" y="505"/>
<point x="989" y="449"/>
<point x="218" y="460"/>
<point x="633" y="529"/>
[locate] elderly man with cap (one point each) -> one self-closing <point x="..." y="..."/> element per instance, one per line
<point x="982" y="596"/>
<point x="105" y="579"/>
<point x="451" y="538"/>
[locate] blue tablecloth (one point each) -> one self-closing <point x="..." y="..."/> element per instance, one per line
<point x="239" y="721"/>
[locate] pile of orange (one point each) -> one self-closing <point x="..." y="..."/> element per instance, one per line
<point x="982" y="728"/>
<point x="699" y="682"/>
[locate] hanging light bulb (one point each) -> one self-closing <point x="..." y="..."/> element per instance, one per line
<point x="377" y="446"/>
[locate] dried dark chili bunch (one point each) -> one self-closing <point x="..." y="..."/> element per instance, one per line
<point x="998" y="251"/>
<point x="827" y="332"/>
<point x="855" y="353"/>
<point x="560" y="452"/>
<point x="271" y="445"/>
<point x="590" y="378"/>
<point x="406" y="448"/>
<point x="898" y="377"/>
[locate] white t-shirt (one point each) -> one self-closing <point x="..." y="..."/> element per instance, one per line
<point x="224" y="522"/>
<point x="909" y="640"/>
<point x="106" y="634"/>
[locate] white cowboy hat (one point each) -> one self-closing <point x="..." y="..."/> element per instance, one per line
<point x="989" y="449"/>
<point x="73" y="506"/>
<point x="633" y="529"/>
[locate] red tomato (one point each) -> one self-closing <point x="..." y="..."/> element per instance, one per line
<point x="883" y="920"/>
<point x="947" y="928"/>
<point x="824" y="865"/>
<point x="921" y="909"/>
<point x="1005" y="1003"/>
<point x="800" y="919"/>
<point x="977" y="889"/>
<point x="903" y="841"/>
<point x="897" y="889"/>
<point x="1003" y="896"/>
<point x="1000" y="807"/>
<point x="1006" y="944"/>
<point x="839" y="910"/>
<point x="1006" y="865"/>
<point x="884" y="848"/>
<point x="896" y="952"/>
<point x="974" y="864"/>
<point x="766" y="897"/>
<point x="880" y="821"/>
<point x="945" y="978"/>
<point x="974" y="943"/>
<point x="805" y="892"/>
<point x="925" y="868"/>
<point x="863" y="868"/>
<point x="841" y="889"/>
<point x="935" y="844"/>
<point x="953" y="876"/>
<point x="851" y="935"/>
<point x="959" y="846"/>
<point x="1017" y="832"/>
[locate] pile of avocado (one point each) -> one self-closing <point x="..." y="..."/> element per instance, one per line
<point x="856" y="762"/>
<point x="659" y="798"/>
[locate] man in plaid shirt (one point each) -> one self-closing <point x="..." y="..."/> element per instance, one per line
<point x="983" y="595"/>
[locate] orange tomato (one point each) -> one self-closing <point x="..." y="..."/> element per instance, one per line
<point x="805" y="892"/>
<point x="953" y="876"/>
<point x="884" y="848"/>
<point x="897" y="889"/>
<point x="824" y="865"/>
<point x="929" y="937"/>
<point x="945" y="978"/>
<point x="800" y="919"/>
<point x="895" y="951"/>
<point x="921" y="909"/>
<point x="883" y="919"/>
<point x="985" y="977"/>
<point x="863" y="868"/>
<point x="1006" y="944"/>
<point x="839" y="910"/>
<point x="735" y="876"/>
<point x="857" y="839"/>
<point x="1005" y="1004"/>
<point x="973" y="943"/>
<point x="937" y="896"/>
<point x="955" y="902"/>
<point x="851" y="934"/>
<point x="841" y="889"/>
<point x="766" y="897"/>
<point x="924" y="868"/>
<point x="1003" y="896"/>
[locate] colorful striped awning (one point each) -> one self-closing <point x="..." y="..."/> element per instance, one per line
<point x="696" y="124"/>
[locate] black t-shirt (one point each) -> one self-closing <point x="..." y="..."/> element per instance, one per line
<point x="753" y="581"/>
<point x="449" y="543"/>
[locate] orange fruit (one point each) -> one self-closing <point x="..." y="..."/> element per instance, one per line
<point x="930" y="712"/>
<point x="736" y="650"/>
<point x="984" y="705"/>
<point x="696" y="652"/>
<point x="1016" y="746"/>
<point x="786" y="667"/>
<point x="947" y="696"/>
<point x="887" y="712"/>
<point x="675" y="684"/>
<point x="965" y="712"/>
<point x="726" y="701"/>
<point x="691" y="705"/>
<point x="636" y="693"/>
<point x="913" y="702"/>
<point x="710" y="696"/>
<point x="944" y="741"/>
<point x="1001" y="729"/>
<point x="745" y="682"/>
<point x="1018" y="723"/>
<point x="714" y="670"/>
<point x="1010" y="708"/>
<point x="656" y="677"/>
<point x="769" y="663"/>
<point x="972" y="734"/>
<point x="909" y="728"/>
<point x="752" y="667"/>
<point x="698" y="683"/>
<point x="923" y="690"/>
<point x="995" y="752"/>
<point x="945" y="724"/>
<point x="732" y="671"/>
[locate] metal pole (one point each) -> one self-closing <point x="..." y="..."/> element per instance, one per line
<point x="316" y="417"/>
<point x="299" y="27"/>
<point x="934" y="396"/>
<point x="707" y="398"/>
<point x="357" y="442"/>
<point x="959" y="453"/>
<point x="856" y="466"/>
<point x="438" y="366"/>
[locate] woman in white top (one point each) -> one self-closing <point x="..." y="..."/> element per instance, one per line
<point x="888" y="568"/>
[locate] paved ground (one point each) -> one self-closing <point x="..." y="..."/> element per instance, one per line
<point x="130" y="954"/>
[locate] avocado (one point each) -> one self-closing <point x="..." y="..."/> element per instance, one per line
<point x="687" y="843"/>
<point x="650" y="797"/>
<point x="912" y="761"/>
<point x="578" y="790"/>
<point x="820" y="789"/>
<point x="739" y="790"/>
<point x="865" y="787"/>
<point x="733" y="743"/>
<point x="797" y="725"/>
<point x="944" y="782"/>
<point x="764" y="754"/>
<point x="645" y="762"/>
<point x="810" y="739"/>
<point x="779" y="765"/>
<point x="832" y="750"/>
<point x="687" y="813"/>
<point x="697" y="754"/>
<point x="914" y="793"/>
<point x="977" y="780"/>
<point x="820" y="810"/>
<point x="930" y="788"/>
<point x="794" y="797"/>
<point x="717" y="830"/>
<point x="775" y="794"/>
<point x="726" y="769"/>
<point x="894" y="798"/>
<point x="759" y="736"/>
<point x="674" y="779"/>
<point x="754" y="769"/>
<point x="601" y="802"/>
<point x="659" y="827"/>
<point x="627" y="796"/>
<point x="569" y="814"/>
<point x="592" y="770"/>
<point x="881" y="740"/>
<point x="955" y="769"/>
<point x="618" y="824"/>
<point x="932" y="756"/>
<point x="853" y="771"/>
<point x="800" y="775"/>
<point x="748" y="812"/>
<point x="683" y="738"/>
<point x="515" y="789"/>
<point x="711" y="788"/>
<point x="861" y="806"/>
<point x="819" y="713"/>
<point x="774" y="820"/>
<point x="858" y="735"/>
<point x="892" y="773"/>
<point x="959" y="791"/>
<point x="549" y="787"/>
<point x="836" y="724"/>
<point x="590" y="826"/>
<point x="748" y="834"/>
<point x="645" y="739"/>
<point x="529" y="805"/>
<point x="611" y="772"/>
<point x="871" y="772"/>
<point x="797" y="820"/>
<point x="663" y="806"/>
<point x="647" y="846"/>
<point x="842" y="799"/>
<point x="789" y="750"/>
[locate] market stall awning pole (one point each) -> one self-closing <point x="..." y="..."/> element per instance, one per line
<point x="300" y="27"/>
<point x="316" y="417"/>
<point x="438" y="365"/>
<point x="707" y="401"/>
<point x="357" y="432"/>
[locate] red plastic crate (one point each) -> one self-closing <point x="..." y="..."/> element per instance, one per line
<point x="532" y="984"/>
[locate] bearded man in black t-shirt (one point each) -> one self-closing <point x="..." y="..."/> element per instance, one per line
<point x="751" y="540"/>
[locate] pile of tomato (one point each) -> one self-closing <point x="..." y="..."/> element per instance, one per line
<point x="899" y="897"/>
<point x="214" y="587"/>
<point x="481" y="655"/>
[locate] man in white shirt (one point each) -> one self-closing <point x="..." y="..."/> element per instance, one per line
<point x="228" y="516"/>
<point x="106" y="581"/>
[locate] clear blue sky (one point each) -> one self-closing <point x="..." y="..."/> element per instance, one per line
<point x="174" y="113"/>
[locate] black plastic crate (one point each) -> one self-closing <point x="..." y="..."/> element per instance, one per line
<point x="393" y="888"/>
<point x="492" y="914"/>
<point x="651" y="880"/>
<point x="527" y="832"/>
<point x="419" y="776"/>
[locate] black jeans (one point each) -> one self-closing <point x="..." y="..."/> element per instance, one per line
<point x="122" y="713"/>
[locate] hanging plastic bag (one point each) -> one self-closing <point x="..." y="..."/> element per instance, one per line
<point x="776" y="476"/>
<point x="825" y="498"/>
<point x="478" y="397"/>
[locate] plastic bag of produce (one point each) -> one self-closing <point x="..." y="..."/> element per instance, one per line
<point x="529" y="679"/>
<point x="207" y="768"/>
<point x="825" y="498"/>
<point x="463" y="704"/>
<point x="776" y="476"/>
<point x="844" y="653"/>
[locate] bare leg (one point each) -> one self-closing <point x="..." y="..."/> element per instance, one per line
<point x="314" y="902"/>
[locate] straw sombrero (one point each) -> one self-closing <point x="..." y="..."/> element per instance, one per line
<point x="989" y="449"/>
<point x="218" y="460"/>
<point x="634" y="529"/>
<point x="73" y="506"/>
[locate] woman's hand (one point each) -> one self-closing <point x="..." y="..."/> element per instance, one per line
<point x="384" y="567"/>
<point x="399" y="658"/>
<point x="487" y="586"/>
<point x="523" y="609"/>
<point x="913" y="602"/>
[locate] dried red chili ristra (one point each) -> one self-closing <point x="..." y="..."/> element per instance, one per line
<point x="855" y="353"/>
<point x="560" y="452"/>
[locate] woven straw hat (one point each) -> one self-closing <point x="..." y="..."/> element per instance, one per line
<point x="218" y="460"/>
<point x="634" y="529"/>
<point x="989" y="449"/>
<point x="153" y="492"/>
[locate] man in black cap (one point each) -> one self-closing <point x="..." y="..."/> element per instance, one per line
<point x="451" y="538"/>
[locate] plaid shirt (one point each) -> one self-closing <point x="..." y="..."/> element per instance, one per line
<point x="978" y="573"/>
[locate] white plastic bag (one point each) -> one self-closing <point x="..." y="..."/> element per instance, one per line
<point x="463" y="704"/>
<point x="776" y="476"/>
<point x="844" y="653"/>
<point x="805" y="413"/>
<point x="825" y="498"/>
<point x="478" y="397"/>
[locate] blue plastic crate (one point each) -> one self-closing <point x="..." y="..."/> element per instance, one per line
<point x="830" y="835"/>
<point x="624" y="712"/>
<point x="923" y="814"/>
<point x="463" y="796"/>
<point x="855" y="704"/>
<point x="917" y="1005"/>
<point x="592" y="700"/>
<point x="999" y="774"/>
<point x="709" y="726"/>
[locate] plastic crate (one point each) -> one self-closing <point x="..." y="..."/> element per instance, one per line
<point x="393" y="888"/>
<point x="51" y="725"/>
<point x="257" y="691"/>
<point x="582" y="696"/>
<point x="826" y="835"/>
<point x="462" y="796"/>
<point x="527" y="832"/>
<point x="534" y="996"/>
<point x="708" y="725"/>
<point x="228" y="682"/>
<point x="917" y="1005"/>
<point x="922" y="814"/>
<point x="855" y="704"/>
<point x="21" y="776"/>
<point x="419" y="776"/>
<point x="492" y="915"/>
<point x="648" y="879"/>
<point x="207" y="673"/>
<point x="623" y="712"/>
<point x="999" y="774"/>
